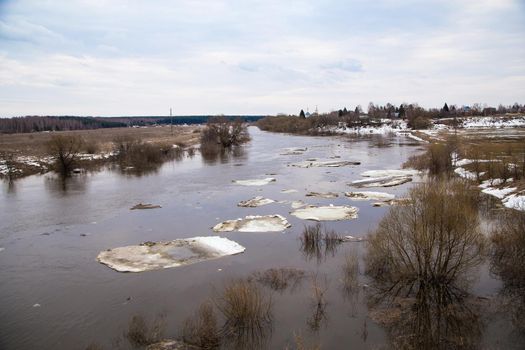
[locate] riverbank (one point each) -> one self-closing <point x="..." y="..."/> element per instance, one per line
<point x="26" y="154"/>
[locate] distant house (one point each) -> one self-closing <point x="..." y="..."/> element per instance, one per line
<point x="466" y="109"/>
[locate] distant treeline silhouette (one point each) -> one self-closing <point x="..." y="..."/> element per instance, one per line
<point x="64" y="123"/>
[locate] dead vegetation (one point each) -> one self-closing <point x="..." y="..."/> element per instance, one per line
<point x="350" y="276"/>
<point x="438" y="158"/>
<point x="318" y="242"/>
<point x="318" y="297"/>
<point x="65" y="150"/>
<point x="279" y="279"/>
<point x="202" y="330"/>
<point x="247" y="312"/>
<point x="140" y="334"/>
<point x="421" y="260"/>
<point x="221" y="133"/>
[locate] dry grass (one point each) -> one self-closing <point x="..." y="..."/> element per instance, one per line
<point x="279" y="279"/>
<point x="317" y="242"/>
<point x="318" y="316"/>
<point x="350" y="275"/>
<point x="437" y="159"/>
<point x="299" y="344"/>
<point x="247" y="313"/>
<point x="202" y="329"/>
<point x="33" y="144"/>
<point x="139" y="333"/>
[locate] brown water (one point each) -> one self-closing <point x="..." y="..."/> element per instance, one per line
<point x="52" y="231"/>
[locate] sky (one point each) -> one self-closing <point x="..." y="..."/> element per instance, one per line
<point x="134" y="57"/>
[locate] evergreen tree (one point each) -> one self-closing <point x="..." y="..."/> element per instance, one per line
<point x="301" y="114"/>
<point x="445" y="108"/>
<point x="402" y="111"/>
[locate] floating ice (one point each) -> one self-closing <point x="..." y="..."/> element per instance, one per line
<point x="368" y="195"/>
<point x="322" y="195"/>
<point x="161" y="255"/>
<point x="254" y="223"/>
<point x="298" y="204"/>
<point x="326" y="163"/>
<point x="145" y="206"/>
<point x="386" y="181"/>
<point x="326" y="213"/>
<point x="255" y="202"/>
<point x="395" y="173"/>
<point x="255" y="182"/>
<point x="293" y="151"/>
<point x="289" y="191"/>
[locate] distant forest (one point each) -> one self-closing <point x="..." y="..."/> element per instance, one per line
<point x="63" y="123"/>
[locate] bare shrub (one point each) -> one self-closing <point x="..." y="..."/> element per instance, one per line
<point x="437" y="159"/>
<point x="319" y="289"/>
<point x="142" y="156"/>
<point x="139" y="333"/>
<point x="65" y="149"/>
<point x="91" y="146"/>
<point x="436" y="239"/>
<point x="221" y="133"/>
<point x="421" y="259"/>
<point x="202" y="329"/>
<point x="507" y="257"/>
<point x="247" y="313"/>
<point x="279" y="279"/>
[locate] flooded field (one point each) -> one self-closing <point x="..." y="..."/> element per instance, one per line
<point x="54" y="294"/>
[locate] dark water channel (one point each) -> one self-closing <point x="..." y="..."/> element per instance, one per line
<point x="55" y="295"/>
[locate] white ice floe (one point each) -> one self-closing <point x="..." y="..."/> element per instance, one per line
<point x="515" y="201"/>
<point x="293" y="151"/>
<point x="385" y="181"/>
<point x="255" y="202"/>
<point x="326" y="213"/>
<point x="390" y="172"/>
<point x="289" y="191"/>
<point x="322" y="194"/>
<point x="369" y="195"/>
<point x="254" y="223"/>
<point x="297" y="204"/>
<point x="161" y="255"/>
<point x="255" y="182"/>
<point x="414" y="137"/>
<point x="326" y="163"/>
<point x="353" y="239"/>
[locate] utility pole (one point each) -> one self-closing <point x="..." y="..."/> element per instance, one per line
<point x="171" y="122"/>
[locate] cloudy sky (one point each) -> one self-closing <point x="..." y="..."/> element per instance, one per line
<point x="116" y="57"/>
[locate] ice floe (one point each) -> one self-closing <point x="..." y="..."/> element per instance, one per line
<point x="326" y="213"/>
<point x="255" y="202"/>
<point x="325" y="163"/>
<point x="293" y="151"/>
<point x="161" y="255"/>
<point x="390" y="172"/>
<point x="297" y="204"/>
<point x="254" y="223"/>
<point x="353" y="239"/>
<point x="322" y="195"/>
<point x="385" y="181"/>
<point x="145" y="206"/>
<point x="369" y="195"/>
<point x="289" y="191"/>
<point x="255" y="182"/>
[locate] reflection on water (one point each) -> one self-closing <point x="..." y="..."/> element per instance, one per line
<point x="507" y="262"/>
<point x="66" y="184"/>
<point x="420" y="260"/>
<point x="318" y="243"/>
<point x="222" y="155"/>
<point x="319" y="316"/>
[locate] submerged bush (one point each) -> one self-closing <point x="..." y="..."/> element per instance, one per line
<point x="438" y="159"/>
<point x="139" y="333"/>
<point x="317" y="242"/>
<point x="420" y="259"/>
<point x="247" y="313"/>
<point x="65" y="149"/>
<point x="222" y="133"/>
<point x="202" y="329"/>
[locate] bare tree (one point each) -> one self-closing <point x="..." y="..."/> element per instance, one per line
<point x="65" y="149"/>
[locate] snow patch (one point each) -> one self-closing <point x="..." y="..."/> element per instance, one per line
<point x="369" y="195"/>
<point x="254" y="223"/>
<point x="326" y="213"/>
<point x="255" y="202"/>
<point x="255" y="182"/>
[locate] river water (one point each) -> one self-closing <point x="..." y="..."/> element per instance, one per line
<point x="55" y="295"/>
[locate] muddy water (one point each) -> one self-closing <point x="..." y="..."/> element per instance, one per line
<point x="54" y="295"/>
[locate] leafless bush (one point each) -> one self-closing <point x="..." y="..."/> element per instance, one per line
<point x="65" y="149"/>
<point x="319" y="289"/>
<point x="221" y="133"/>
<point x="279" y="279"/>
<point x="247" y="313"/>
<point x="437" y="160"/>
<point x="144" y="156"/>
<point x="140" y="334"/>
<point x="91" y="146"/>
<point x="434" y="240"/>
<point x="202" y="329"/>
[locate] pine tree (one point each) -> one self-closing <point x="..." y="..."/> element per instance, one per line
<point x="445" y="108"/>
<point x="301" y="114"/>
